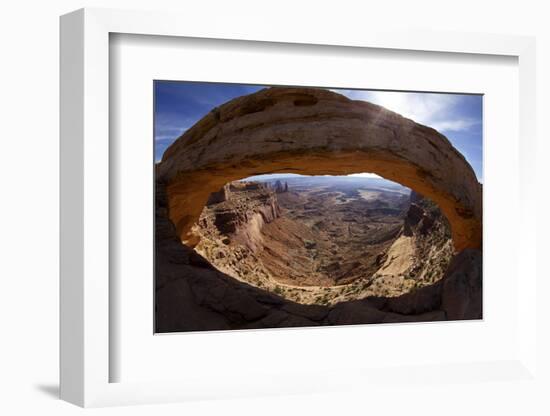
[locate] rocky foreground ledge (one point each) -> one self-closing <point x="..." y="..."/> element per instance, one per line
<point x="191" y="295"/>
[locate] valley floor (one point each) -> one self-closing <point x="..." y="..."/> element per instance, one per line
<point x="325" y="245"/>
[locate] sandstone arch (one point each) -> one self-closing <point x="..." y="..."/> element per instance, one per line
<point x="315" y="132"/>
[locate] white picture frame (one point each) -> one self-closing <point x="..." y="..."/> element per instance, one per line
<point x="85" y="164"/>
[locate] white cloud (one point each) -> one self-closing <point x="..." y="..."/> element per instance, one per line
<point x="454" y="125"/>
<point x="366" y="175"/>
<point x="169" y="133"/>
<point x="431" y="109"/>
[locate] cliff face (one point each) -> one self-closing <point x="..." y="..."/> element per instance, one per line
<point x="229" y="232"/>
<point x="314" y="132"/>
<point x="317" y="132"/>
<point x="320" y="250"/>
<point x="193" y="295"/>
<point x="434" y="248"/>
<point x="424" y="248"/>
<point x="236" y="214"/>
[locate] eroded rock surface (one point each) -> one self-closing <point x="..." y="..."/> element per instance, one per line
<point x="325" y="242"/>
<point x="192" y="295"/>
<point x="236" y="214"/>
<point x="315" y="131"/>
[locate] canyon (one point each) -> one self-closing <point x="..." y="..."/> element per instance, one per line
<point x="233" y="254"/>
<point x="191" y="294"/>
<point x="324" y="240"/>
<point x="317" y="132"/>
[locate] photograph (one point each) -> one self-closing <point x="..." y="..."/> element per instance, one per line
<point x="233" y="208"/>
<point x="293" y="206"/>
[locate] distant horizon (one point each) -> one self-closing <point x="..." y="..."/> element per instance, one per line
<point x="282" y="176"/>
<point x="361" y="180"/>
<point x="298" y="175"/>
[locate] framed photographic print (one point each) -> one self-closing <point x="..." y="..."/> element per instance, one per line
<point x="273" y="214"/>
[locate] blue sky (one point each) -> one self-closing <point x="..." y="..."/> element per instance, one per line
<point x="179" y="105"/>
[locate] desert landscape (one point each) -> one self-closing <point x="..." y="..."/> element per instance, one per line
<point x="325" y="239"/>
<point x="300" y="207"/>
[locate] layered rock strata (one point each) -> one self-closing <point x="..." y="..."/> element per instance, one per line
<point x="319" y="251"/>
<point x="192" y="295"/>
<point x="316" y="131"/>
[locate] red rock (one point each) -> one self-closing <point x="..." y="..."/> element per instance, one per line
<point x="315" y="131"/>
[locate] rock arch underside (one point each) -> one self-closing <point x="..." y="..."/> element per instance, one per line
<point x="310" y="132"/>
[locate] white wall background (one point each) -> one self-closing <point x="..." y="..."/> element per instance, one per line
<point x="29" y="57"/>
